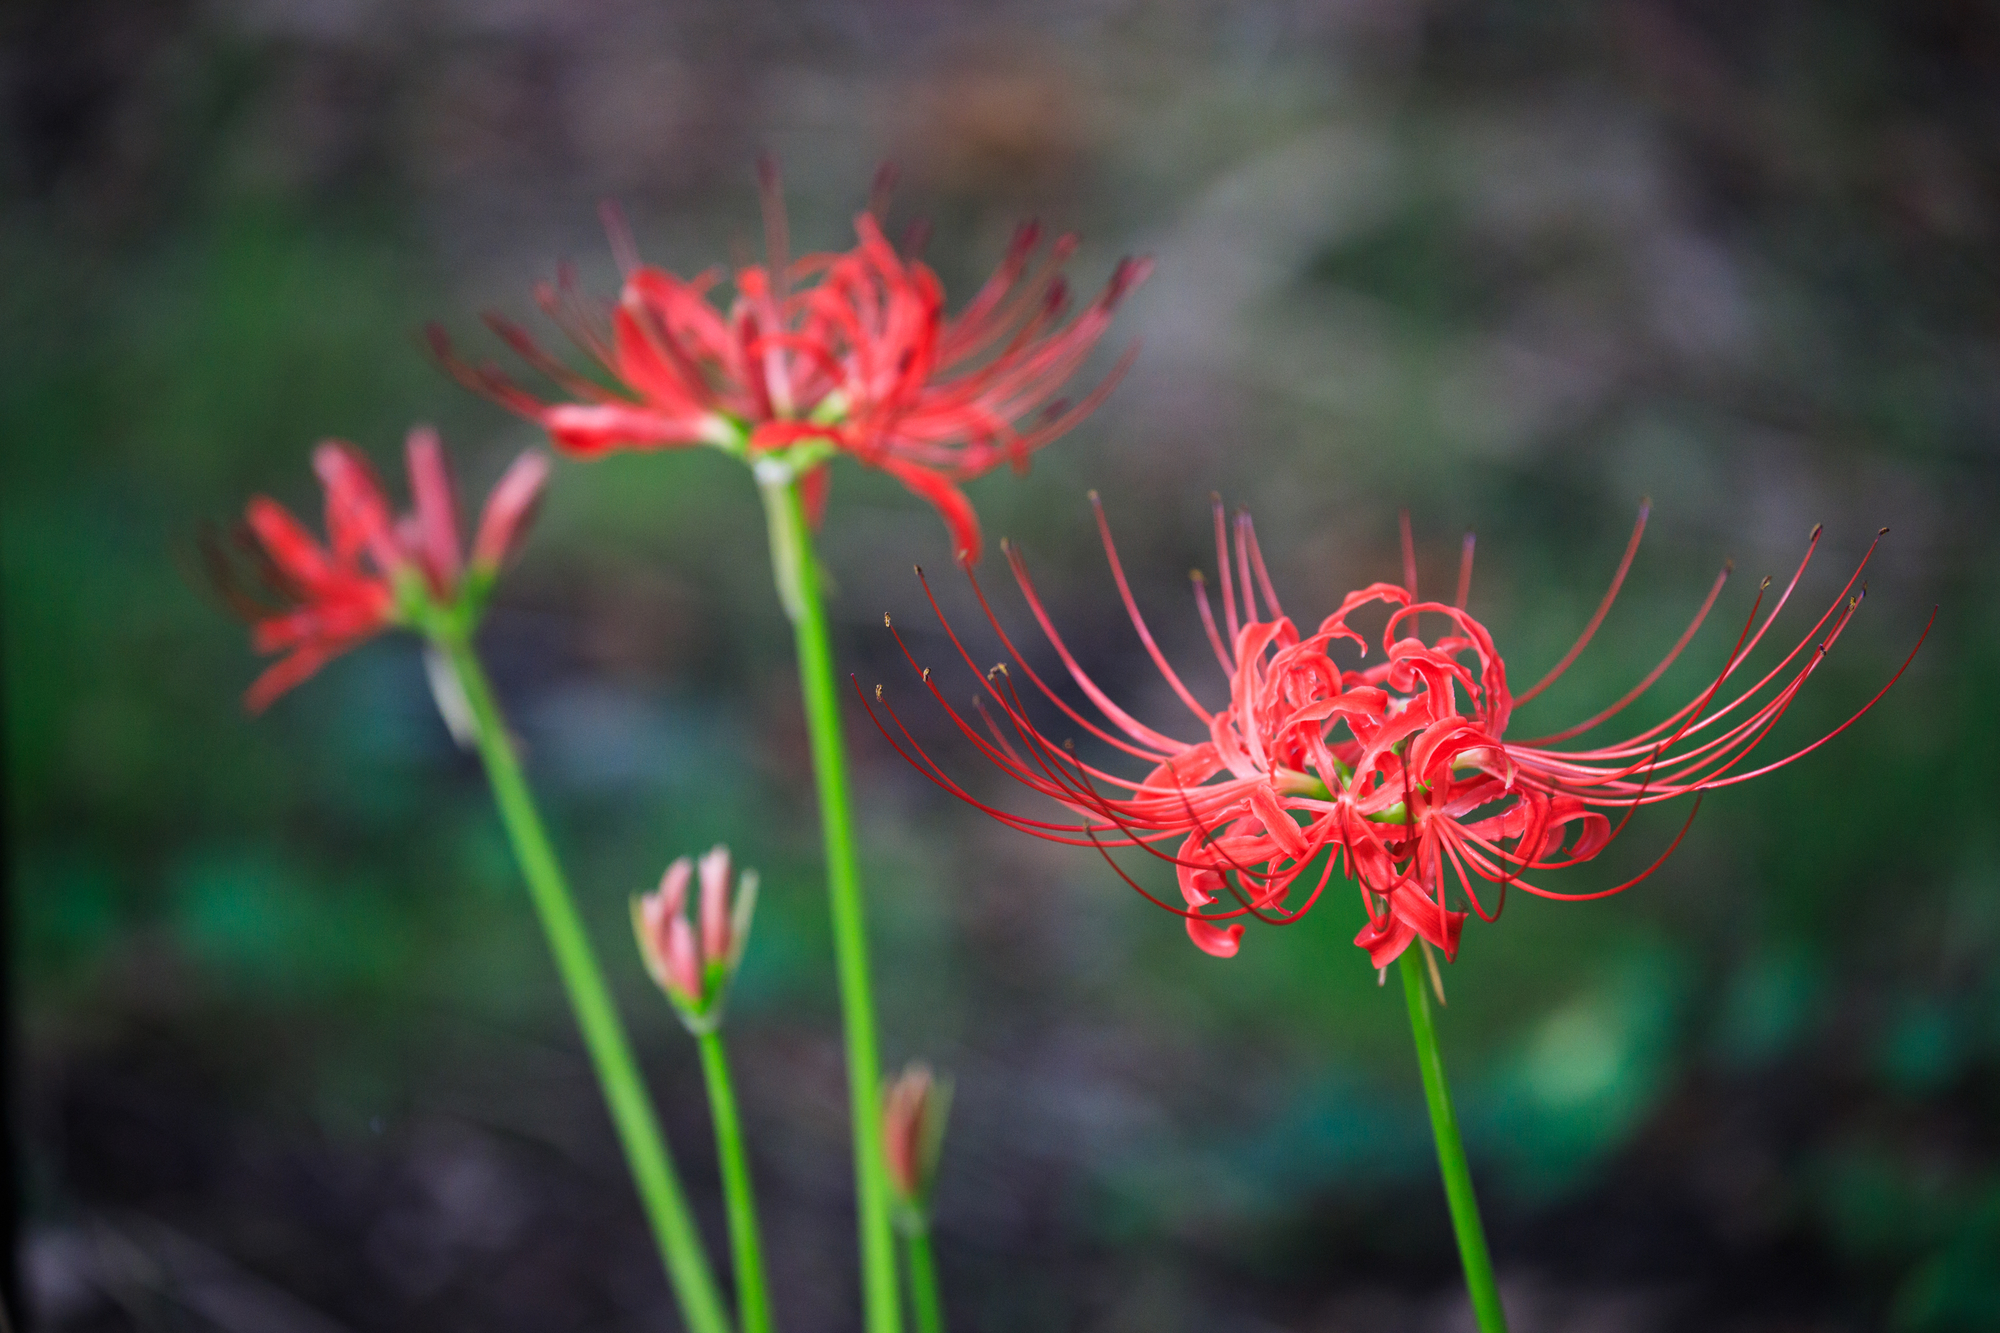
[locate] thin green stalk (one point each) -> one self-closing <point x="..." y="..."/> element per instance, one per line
<point x="746" y="1248"/>
<point x="797" y="574"/>
<point x="603" y="1034"/>
<point x="926" y="1310"/>
<point x="1451" y="1151"/>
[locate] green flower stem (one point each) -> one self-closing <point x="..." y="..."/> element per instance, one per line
<point x="603" y="1034"/>
<point x="753" y="1297"/>
<point x="797" y="573"/>
<point x="1451" y="1151"/>
<point x="926" y="1310"/>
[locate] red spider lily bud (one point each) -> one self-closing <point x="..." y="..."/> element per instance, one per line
<point x="313" y="602"/>
<point x="914" y="1111"/>
<point x="666" y="943"/>
<point x="695" y="974"/>
<point x="715" y="937"/>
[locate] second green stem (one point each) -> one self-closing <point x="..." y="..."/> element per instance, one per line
<point x="1465" y="1223"/>
<point x="590" y="998"/>
<point x="926" y="1308"/>
<point x="753" y="1297"/>
<point x="797" y="574"/>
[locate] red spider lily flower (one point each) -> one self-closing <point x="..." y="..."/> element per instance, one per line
<point x="1399" y="772"/>
<point x="847" y="353"/>
<point x="914" y="1111"/>
<point x="695" y="969"/>
<point x="314" y="601"/>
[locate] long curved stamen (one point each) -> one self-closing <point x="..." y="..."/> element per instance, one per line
<point x="1130" y="725"/>
<point x="1139" y="621"/>
<point x="1229" y="620"/>
<point x="1603" y="609"/>
<point x="1701" y="614"/>
<point x="1643" y="875"/>
<point x="1249" y="533"/>
<point x="1015" y="653"/>
<point x="1208" y="622"/>
<point x="1872" y="701"/>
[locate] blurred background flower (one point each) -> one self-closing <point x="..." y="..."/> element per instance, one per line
<point x="290" y="1054"/>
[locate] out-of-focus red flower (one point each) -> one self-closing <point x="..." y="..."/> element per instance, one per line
<point x="1397" y="772"/>
<point x="694" y="966"/>
<point x="848" y="353"/>
<point x="314" y="601"/>
<point x="914" y="1111"/>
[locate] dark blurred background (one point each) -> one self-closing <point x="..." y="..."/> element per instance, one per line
<point x="288" y="1053"/>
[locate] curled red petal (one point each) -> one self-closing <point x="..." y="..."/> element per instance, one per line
<point x="596" y="428"/>
<point x="1216" y="941"/>
<point x="950" y="502"/>
<point x="1385" y="939"/>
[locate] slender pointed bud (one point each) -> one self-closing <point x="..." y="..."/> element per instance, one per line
<point x="673" y="890"/>
<point x="683" y="964"/>
<point x="693" y="956"/>
<point x="715" y="933"/>
<point x="914" y="1111"/>
<point x="652" y="917"/>
<point x="510" y="510"/>
<point x="740" y="917"/>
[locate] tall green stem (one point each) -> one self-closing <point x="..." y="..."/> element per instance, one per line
<point x="797" y="574"/>
<point x="1451" y="1151"/>
<point x="753" y="1297"/>
<point x="926" y="1309"/>
<point x="603" y="1033"/>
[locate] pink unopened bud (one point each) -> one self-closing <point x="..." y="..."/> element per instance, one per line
<point x="695" y="971"/>
<point x="715" y="932"/>
<point x="683" y="966"/>
<point x="913" y="1117"/>
<point x="654" y="917"/>
<point x="509" y="510"/>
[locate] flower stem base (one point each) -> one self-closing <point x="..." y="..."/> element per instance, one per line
<point x="1465" y="1223"/>
<point x="797" y="573"/>
<point x="590" y="998"/>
